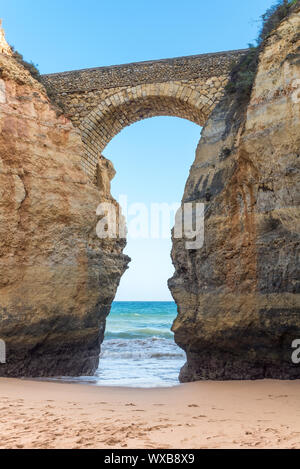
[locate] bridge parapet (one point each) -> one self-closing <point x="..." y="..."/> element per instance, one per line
<point x="156" y="71"/>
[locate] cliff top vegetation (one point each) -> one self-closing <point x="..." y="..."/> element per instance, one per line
<point x="244" y="72"/>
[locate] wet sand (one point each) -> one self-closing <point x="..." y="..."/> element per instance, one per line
<point x="248" y="414"/>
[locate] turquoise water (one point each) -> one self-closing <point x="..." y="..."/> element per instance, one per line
<point x="140" y="320"/>
<point x="139" y="348"/>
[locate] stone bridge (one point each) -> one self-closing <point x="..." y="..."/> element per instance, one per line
<point x="102" y="101"/>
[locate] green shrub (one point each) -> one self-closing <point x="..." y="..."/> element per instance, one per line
<point x="30" y="66"/>
<point x="273" y="17"/>
<point x="243" y="73"/>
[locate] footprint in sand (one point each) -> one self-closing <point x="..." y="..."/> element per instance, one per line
<point x="112" y="441"/>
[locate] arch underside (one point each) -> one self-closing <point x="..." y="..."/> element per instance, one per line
<point x="125" y="108"/>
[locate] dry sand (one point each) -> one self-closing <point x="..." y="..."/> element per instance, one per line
<point x="256" y="414"/>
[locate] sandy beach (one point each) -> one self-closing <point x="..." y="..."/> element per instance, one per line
<point x="256" y="414"/>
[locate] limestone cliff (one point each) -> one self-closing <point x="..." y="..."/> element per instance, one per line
<point x="57" y="279"/>
<point x="238" y="297"/>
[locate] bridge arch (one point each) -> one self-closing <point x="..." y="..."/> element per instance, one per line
<point x="130" y="105"/>
<point x="102" y="101"/>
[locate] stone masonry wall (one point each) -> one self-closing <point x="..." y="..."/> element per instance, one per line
<point x="102" y="101"/>
<point x="156" y="71"/>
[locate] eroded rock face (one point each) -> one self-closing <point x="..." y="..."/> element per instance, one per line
<point x="57" y="279"/>
<point x="238" y="297"/>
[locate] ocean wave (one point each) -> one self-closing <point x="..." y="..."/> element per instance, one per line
<point x="167" y="355"/>
<point x="139" y="334"/>
<point x="151" y="348"/>
<point x="140" y="355"/>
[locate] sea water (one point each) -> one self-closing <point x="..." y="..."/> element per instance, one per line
<point x="139" y="348"/>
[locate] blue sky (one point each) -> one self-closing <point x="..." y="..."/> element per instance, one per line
<point x="152" y="157"/>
